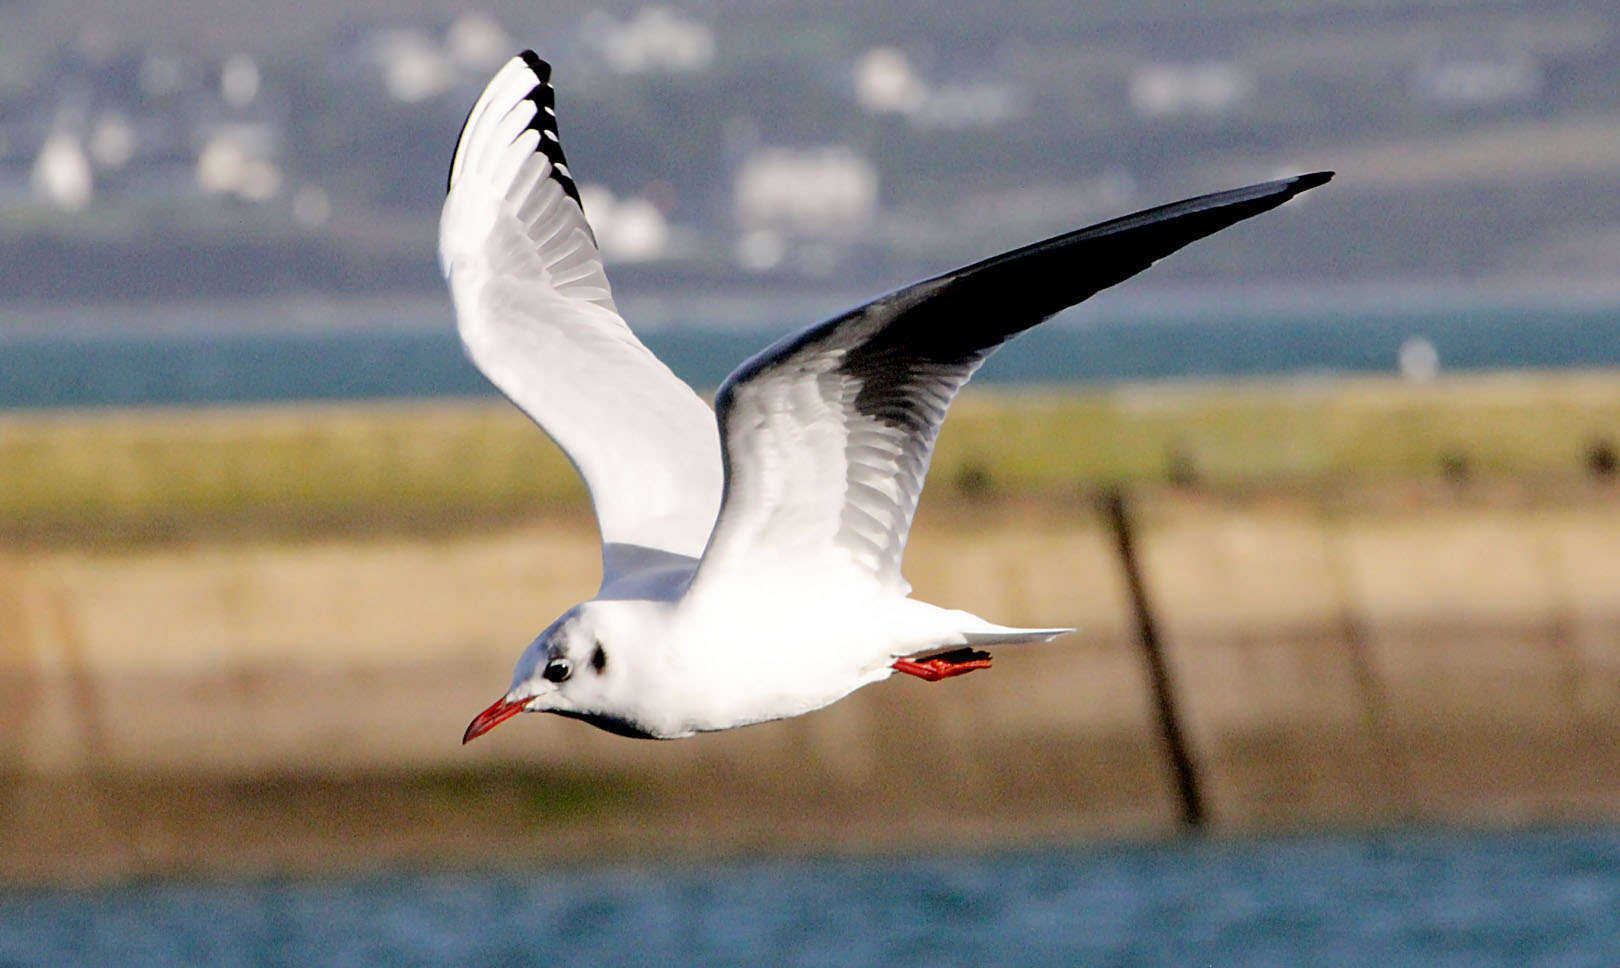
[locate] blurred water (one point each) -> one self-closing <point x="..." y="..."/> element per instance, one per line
<point x="172" y="358"/>
<point x="1431" y="899"/>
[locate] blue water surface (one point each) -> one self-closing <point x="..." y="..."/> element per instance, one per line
<point x="1390" y="900"/>
<point x="243" y="356"/>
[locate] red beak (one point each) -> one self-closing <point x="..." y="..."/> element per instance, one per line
<point x="498" y="712"/>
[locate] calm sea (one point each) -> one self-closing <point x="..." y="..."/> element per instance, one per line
<point x="1424" y="900"/>
<point x="99" y="356"/>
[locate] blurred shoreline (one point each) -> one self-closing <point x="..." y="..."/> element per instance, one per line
<point x="296" y="707"/>
<point x="247" y="641"/>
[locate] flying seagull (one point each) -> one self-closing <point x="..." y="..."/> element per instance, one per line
<point x="750" y="553"/>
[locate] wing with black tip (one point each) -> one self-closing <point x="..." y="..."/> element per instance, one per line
<point x="536" y="315"/>
<point x="828" y="434"/>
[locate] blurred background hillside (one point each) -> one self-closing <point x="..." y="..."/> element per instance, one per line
<point x="267" y="541"/>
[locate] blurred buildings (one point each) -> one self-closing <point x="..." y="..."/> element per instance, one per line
<point x="1476" y="143"/>
<point x="817" y="195"/>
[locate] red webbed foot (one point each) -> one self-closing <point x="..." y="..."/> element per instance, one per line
<point x="934" y="668"/>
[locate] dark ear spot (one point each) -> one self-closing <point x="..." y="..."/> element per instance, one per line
<point x="598" y="659"/>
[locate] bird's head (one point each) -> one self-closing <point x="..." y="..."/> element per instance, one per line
<point x="569" y="669"/>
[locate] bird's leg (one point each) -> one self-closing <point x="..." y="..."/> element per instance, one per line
<point x="934" y="668"/>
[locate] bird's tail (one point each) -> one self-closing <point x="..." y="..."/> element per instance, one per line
<point x="1002" y="635"/>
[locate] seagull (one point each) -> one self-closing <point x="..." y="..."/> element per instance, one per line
<point x="750" y="553"/>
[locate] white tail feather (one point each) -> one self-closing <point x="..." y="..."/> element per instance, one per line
<point x="1001" y="635"/>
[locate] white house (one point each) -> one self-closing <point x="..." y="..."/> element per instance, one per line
<point x="825" y="191"/>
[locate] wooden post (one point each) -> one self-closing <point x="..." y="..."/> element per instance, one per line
<point x="1182" y="768"/>
<point x="1378" y="718"/>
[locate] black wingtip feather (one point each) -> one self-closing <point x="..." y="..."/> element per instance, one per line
<point x="541" y="69"/>
<point x="1304" y="183"/>
<point x="544" y="98"/>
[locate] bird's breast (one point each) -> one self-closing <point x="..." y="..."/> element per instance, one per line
<point x="759" y="666"/>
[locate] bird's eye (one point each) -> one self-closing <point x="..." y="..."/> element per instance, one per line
<point x="558" y="669"/>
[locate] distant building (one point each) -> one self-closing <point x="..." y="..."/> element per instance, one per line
<point x="1207" y="89"/>
<point x="1477" y="79"/>
<point x="239" y="160"/>
<point x="477" y="42"/>
<point x="239" y="81"/>
<point x="886" y="83"/>
<point x="1418" y="360"/>
<point x="112" y="141"/>
<point x="652" y="40"/>
<point x="972" y="105"/>
<point x="805" y="191"/>
<point x="62" y="177"/>
<point x="411" y="64"/>
<point x="627" y="229"/>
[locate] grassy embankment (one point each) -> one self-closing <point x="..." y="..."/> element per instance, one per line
<point x="445" y="467"/>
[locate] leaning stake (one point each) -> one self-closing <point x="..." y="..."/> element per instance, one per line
<point x="1164" y="698"/>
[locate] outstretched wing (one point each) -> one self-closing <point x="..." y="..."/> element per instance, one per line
<point x="827" y="435"/>
<point x="536" y="315"/>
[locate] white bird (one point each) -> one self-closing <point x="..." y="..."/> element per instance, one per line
<point x="750" y="554"/>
